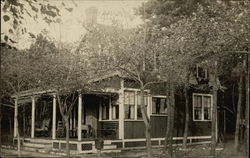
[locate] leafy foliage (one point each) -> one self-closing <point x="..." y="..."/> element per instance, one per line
<point x="16" y="74"/>
<point x="16" y="13"/>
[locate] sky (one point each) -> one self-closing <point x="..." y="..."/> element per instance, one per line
<point x="71" y="30"/>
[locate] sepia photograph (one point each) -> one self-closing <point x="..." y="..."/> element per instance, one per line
<point x="124" y="78"/>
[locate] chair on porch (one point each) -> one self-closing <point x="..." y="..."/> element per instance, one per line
<point x="44" y="128"/>
<point x="88" y="131"/>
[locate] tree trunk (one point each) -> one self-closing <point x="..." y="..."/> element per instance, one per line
<point x="146" y="120"/>
<point x="67" y="136"/>
<point x="171" y="130"/>
<point x="184" y="145"/>
<point x="214" y="111"/>
<point x="24" y="121"/>
<point x="168" y="120"/>
<point x="170" y="124"/>
<point x="238" y="118"/>
<point x="18" y="142"/>
<point x="246" y="110"/>
<point x="0" y="123"/>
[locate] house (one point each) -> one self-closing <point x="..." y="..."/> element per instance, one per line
<point x="112" y="113"/>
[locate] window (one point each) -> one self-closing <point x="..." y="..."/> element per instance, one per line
<point x="129" y="103"/>
<point x="115" y="112"/>
<point x="201" y="73"/>
<point x="115" y="108"/>
<point x="159" y="105"/>
<point x="202" y="104"/>
<point x="139" y="114"/>
<point x="105" y="109"/>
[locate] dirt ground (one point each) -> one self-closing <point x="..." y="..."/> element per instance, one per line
<point x="195" y="151"/>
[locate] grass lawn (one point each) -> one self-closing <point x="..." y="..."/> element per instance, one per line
<point x="195" y="151"/>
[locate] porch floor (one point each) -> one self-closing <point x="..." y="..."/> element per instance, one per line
<point x="70" y="139"/>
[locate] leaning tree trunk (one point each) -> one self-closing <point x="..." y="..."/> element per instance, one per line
<point x="67" y="136"/>
<point x="18" y="141"/>
<point x="185" y="134"/>
<point x="170" y="126"/>
<point x="172" y="111"/>
<point x="65" y="113"/>
<point x="247" y="110"/>
<point x="168" y="120"/>
<point x="146" y="120"/>
<point x="214" y="111"/>
<point x="239" y="104"/>
<point x="184" y="145"/>
<point x="0" y="124"/>
<point x="23" y="121"/>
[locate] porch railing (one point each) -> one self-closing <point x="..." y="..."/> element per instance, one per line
<point x="108" y="130"/>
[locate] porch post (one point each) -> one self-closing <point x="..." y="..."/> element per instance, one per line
<point x="121" y="111"/>
<point x="136" y="104"/>
<point x="15" y="120"/>
<point x="33" y="117"/>
<point x="79" y="117"/>
<point x="110" y="108"/>
<point x="54" y="118"/>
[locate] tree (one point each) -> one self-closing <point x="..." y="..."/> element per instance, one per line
<point x="201" y="35"/>
<point x="16" y="13"/>
<point x="62" y="71"/>
<point x="241" y="70"/>
<point x="137" y="63"/>
<point x="164" y="13"/>
<point x="135" y="60"/>
<point x="15" y="77"/>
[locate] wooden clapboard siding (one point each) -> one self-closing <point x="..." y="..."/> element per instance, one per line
<point x="158" y="126"/>
<point x="134" y="129"/>
<point x="202" y="128"/>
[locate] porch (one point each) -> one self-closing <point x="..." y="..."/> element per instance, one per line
<point x="48" y="145"/>
<point x="95" y="115"/>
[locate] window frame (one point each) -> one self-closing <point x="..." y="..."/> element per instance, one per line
<point x="201" y="69"/>
<point x="158" y="96"/>
<point x="136" y="94"/>
<point x="110" y="110"/>
<point x="134" y="107"/>
<point x="202" y="106"/>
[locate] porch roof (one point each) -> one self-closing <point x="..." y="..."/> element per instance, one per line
<point x="39" y="91"/>
<point x="24" y="95"/>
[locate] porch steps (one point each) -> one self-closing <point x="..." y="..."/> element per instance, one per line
<point x="40" y="150"/>
<point x="109" y="148"/>
<point x="37" y="140"/>
<point x="111" y="151"/>
<point x="37" y="145"/>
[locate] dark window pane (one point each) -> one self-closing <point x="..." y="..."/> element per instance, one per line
<point x="197" y="114"/>
<point x="207" y="113"/>
<point x="139" y="114"/>
<point x="159" y="106"/>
